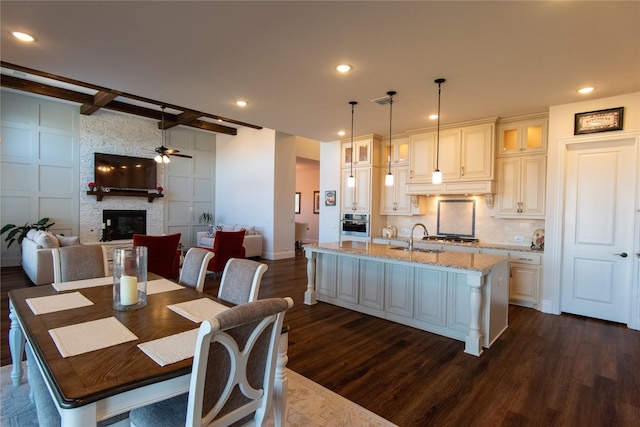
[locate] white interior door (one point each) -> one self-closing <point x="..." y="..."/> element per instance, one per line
<point x="599" y="221"/>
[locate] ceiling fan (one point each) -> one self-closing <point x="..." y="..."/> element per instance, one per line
<point x="164" y="152"/>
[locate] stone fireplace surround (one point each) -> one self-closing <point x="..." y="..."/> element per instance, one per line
<point x="107" y="132"/>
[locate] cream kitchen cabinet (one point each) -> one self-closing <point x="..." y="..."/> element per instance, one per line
<point x="399" y="152"/>
<point x="362" y="151"/>
<point x="358" y="198"/>
<point x="523" y="135"/>
<point x="422" y="154"/>
<point x="394" y="200"/>
<point x="525" y="271"/>
<point x="521" y="187"/>
<point x="465" y="154"/>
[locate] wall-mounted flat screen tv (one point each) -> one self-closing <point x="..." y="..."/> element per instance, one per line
<point x="124" y="172"/>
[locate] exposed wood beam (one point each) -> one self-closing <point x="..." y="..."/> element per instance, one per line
<point x="181" y="119"/>
<point x="100" y="99"/>
<point x="122" y="107"/>
<point x="122" y="94"/>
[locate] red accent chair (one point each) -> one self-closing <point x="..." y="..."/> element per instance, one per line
<point x="226" y="245"/>
<point x="163" y="257"/>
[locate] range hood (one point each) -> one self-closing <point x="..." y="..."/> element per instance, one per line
<point x="452" y="188"/>
<point x="455" y="188"/>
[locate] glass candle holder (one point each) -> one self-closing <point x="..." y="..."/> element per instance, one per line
<point x="130" y="278"/>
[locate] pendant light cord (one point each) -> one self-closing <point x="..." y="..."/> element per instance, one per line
<point x="439" y="81"/>
<point x="353" y="104"/>
<point x="391" y="93"/>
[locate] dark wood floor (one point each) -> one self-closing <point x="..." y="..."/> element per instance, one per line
<point x="545" y="370"/>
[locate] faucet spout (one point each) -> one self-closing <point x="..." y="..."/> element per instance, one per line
<point x="426" y="233"/>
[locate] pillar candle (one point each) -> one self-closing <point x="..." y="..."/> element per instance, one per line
<point x="109" y="222"/>
<point x="128" y="290"/>
<point x="103" y="226"/>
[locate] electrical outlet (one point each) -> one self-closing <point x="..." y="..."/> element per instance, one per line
<point x="519" y="239"/>
<point x="405" y="230"/>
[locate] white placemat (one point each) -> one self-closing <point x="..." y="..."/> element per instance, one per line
<point x="162" y="285"/>
<point x="171" y="349"/>
<point x="86" y="283"/>
<point x="198" y="310"/>
<point x="53" y="303"/>
<point x="89" y="336"/>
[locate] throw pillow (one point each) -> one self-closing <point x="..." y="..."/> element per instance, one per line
<point x="212" y="231"/>
<point x="46" y="240"/>
<point x="68" y="241"/>
<point x="228" y="227"/>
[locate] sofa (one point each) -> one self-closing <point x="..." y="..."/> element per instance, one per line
<point x="252" y="238"/>
<point x="37" y="260"/>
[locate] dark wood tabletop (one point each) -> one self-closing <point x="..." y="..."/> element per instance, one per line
<point x="88" y="377"/>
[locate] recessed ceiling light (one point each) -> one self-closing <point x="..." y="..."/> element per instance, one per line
<point x="586" y="90"/>
<point x="342" y="133"/>
<point x="22" y="36"/>
<point x="433" y="116"/>
<point x="242" y="103"/>
<point x="343" y="68"/>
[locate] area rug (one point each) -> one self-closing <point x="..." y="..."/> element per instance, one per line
<point x="309" y="405"/>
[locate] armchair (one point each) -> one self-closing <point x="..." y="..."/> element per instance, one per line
<point x="227" y="245"/>
<point x="162" y="251"/>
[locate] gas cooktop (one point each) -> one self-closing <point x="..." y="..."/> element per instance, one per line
<point x="452" y="239"/>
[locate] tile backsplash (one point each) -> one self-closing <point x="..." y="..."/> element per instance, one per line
<point x="488" y="228"/>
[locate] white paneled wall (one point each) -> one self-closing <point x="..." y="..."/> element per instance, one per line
<point x="39" y="165"/>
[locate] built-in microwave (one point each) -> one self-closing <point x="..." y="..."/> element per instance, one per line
<point x="355" y="225"/>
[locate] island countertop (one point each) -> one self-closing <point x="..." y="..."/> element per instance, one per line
<point x="482" y="263"/>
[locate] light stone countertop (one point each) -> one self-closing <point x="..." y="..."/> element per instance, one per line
<point x="402" y="240"/>
<point x="481" y="263"/>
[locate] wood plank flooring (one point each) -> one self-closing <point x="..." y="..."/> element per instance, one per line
<point x="545" y="370"/>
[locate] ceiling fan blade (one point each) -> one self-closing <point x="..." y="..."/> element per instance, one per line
<point x="181" y="155"/>
<point x="167" y="151"/>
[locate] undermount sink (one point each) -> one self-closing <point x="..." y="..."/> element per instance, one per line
<point x="429" y="251"/>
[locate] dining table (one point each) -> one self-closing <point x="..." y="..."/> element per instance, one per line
<point x="98" y="362"/>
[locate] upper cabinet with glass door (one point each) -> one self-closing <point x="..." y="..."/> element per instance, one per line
<point x="361" y="153"/>
<point x="399" y="152"/>
<point x="523" y="135"/>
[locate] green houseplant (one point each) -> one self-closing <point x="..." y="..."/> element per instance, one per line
<point x="205" y="218"/>
<point x="18" y="233"/>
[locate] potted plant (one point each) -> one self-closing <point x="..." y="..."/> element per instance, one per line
<point x="205" y="218"/>
<point x="18" y="233"/>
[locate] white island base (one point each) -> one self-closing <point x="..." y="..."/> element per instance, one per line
<point x="459" y="295"/>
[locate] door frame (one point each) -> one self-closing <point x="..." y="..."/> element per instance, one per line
<point x="554" y="245"/>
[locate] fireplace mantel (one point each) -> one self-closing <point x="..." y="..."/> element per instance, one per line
<point x="100" y="194"/>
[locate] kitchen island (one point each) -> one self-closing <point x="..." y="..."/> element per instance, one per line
<point x="459" y="295"/>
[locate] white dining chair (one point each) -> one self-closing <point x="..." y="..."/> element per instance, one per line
<point x="194" y="268"/>
<point x="240" y="281"/>
<point x="242" y="344"/>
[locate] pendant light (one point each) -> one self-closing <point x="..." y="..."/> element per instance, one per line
<point x="388" y="180"/>
<point x="160" y="158"/>
<point x="351" y="181"/>
<point x="437" y="175"/>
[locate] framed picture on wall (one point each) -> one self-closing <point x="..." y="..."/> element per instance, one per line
<point x="297" y="203"/>
<point x="330" y="198"/>
<point x="316" y="202"/>
<point x="598" y="121"/>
